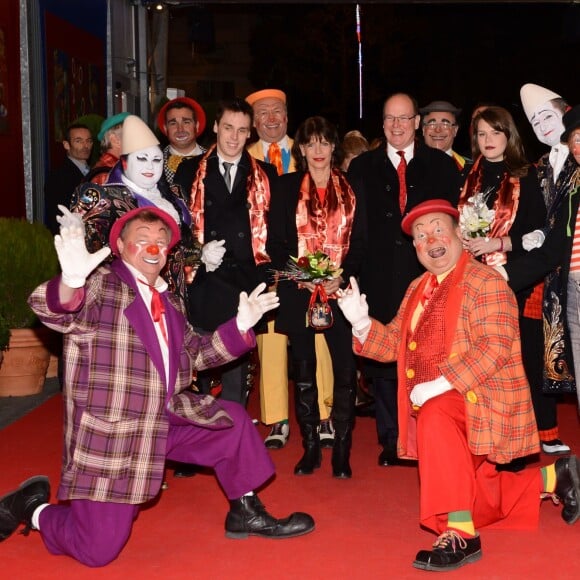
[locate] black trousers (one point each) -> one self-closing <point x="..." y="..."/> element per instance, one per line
<point x="532" y="339"/>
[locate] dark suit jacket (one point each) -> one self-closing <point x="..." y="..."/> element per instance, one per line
<point x="283" y="243"/>
<point x="58" y="189"/>
<point x="390" y="262"/>
<point x="214" y="296"/>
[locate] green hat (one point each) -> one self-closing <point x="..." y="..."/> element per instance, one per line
<point x="111" y="122"/>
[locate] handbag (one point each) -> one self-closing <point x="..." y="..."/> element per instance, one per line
<point x="319" y="314"/>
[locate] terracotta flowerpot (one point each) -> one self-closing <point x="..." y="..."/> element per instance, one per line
<point x="23" y="369"/>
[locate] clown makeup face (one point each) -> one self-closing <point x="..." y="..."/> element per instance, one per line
<point x="144" y="167"/>
<point x="144" y="245"/>
<point x="547" y="124"/>
<point x="574" y="144"/>
<point x="437" y="241"/>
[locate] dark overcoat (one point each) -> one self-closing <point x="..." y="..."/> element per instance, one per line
<point x="390" y="261"/>
<point x="214" y="296"/>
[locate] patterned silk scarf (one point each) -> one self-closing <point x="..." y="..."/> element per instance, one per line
<point x="505" y="205"/>
<point x="258" y="189"/>
<point x="326" y="225"/>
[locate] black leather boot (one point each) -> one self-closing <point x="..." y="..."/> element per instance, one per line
<point x="568" y="487"/>
<point x="341" y="450"/>
<point x="312" y="457"/>
<point x="248" y="517"/>
<point x="308" y="416"/>
<point x="18" y="506"/>
<point x="343" y="413"/>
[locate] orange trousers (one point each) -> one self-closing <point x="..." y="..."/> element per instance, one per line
<point x="454" y="479"/>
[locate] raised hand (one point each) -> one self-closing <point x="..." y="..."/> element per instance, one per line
<point x="251" y="308"/>
<point x="75" y="260"/>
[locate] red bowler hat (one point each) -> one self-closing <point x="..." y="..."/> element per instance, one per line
<point x="199" y="113"/>
<point x="162" y="215"/>
<point x="425" y="207"/>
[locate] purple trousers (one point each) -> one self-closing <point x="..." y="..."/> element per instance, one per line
<point x="94" y="533"/>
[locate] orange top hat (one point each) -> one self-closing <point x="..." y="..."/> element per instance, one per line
<point x="266" y="94"/>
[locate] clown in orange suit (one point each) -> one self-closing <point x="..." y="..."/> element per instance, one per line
<point x="464" y="402"/>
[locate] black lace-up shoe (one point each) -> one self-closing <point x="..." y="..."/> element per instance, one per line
<point x="568" y="487"/>
<point x="449" y="552"/>
<point x="248" y="517"/>
<point x="18" y="506"/>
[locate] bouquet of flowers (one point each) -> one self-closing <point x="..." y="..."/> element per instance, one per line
<point x="314" y="267"/>
<point x="475" y="218"/>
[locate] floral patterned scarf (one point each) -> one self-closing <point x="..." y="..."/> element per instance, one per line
<point x="505" y="205"/>
<point x="258" y="188"/>
<point x="326" y="225"/>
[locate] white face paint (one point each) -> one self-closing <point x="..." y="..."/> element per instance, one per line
<point x="144" y="167"/>
<point x="547" y="124"/>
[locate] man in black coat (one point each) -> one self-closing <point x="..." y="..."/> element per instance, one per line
<point x="228" y="192"/>
<point x="62" y="181"/>
<point x="390" y="262"/>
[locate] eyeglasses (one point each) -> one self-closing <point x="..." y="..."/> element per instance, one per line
<point x="440" y="124"/>
<point x="403" y="119"/>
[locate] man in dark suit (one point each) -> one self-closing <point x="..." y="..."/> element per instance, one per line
<point x="62" y="181"/>
<point x="390" y="190"/>
<point x="228" y="192"/>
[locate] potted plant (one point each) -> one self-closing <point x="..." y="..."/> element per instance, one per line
<point x="27" y="258"/>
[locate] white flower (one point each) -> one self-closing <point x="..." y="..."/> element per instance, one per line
<point x="475" y="218"/>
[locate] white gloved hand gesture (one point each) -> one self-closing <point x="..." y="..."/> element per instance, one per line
<point x="422" y="392"/>
<point x="252" y="307"/>
<point x="354" y="307"/>
<point x="212" y="254"/>
<point x="75" y="261"/>
<point x="533" y="240"/>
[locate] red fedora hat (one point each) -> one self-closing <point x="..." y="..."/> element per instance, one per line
<point x="425" y="207"/>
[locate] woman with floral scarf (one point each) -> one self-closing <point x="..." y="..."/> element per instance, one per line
<point x="315" y="212"/>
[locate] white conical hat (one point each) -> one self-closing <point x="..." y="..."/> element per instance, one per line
<point x="533" y="96"/>
<point x="136" y="135"/>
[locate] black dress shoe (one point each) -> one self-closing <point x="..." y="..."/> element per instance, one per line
<point x="185" y="470"/>
<point x="248" y="517"/>
<point x="388" y="456"/>
<point x="449" y="552"/>
<point x="568" y="487"/>
<point x="18" y="506"/>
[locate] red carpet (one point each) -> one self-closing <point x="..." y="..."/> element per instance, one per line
<point x="366" y="527"/>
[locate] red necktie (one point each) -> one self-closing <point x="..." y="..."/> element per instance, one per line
<point x="275" y="157"/>
<point x="430" y="287"/>
<point x="157" y="309"/>
<point x="401" y="169"/>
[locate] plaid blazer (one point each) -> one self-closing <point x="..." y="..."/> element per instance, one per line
<point x="118" y="402"/>
<point x="485" y="366"/>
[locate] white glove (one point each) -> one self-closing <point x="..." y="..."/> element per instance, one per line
<point x="252" y="307"/>
<point x="75" y="261"/>
<point x="355" y="308"/>
<point x="533" y="240"/>
<point x="212" y="254"/>
<point x="422" y="392"/>
<point x="503" y="272"/>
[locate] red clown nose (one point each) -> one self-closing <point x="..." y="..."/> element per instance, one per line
<point x="153" y="249"/>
